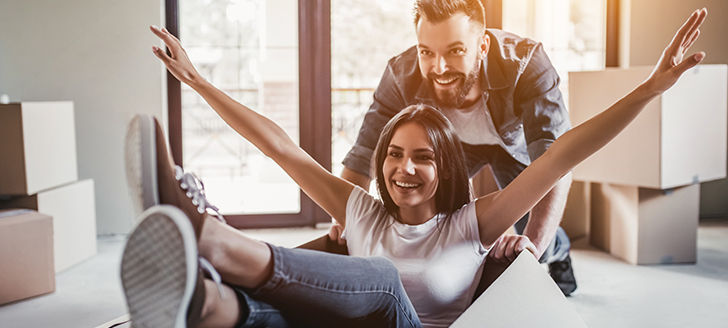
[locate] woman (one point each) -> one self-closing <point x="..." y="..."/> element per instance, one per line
<point x="425" y="219"/>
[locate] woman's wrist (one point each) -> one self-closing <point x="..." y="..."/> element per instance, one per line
<point x="649" y="89"/>
<point x="197" y="82"/>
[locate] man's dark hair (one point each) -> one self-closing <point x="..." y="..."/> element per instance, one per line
<point x="439" y="10"/>
<point x="453" y="189"/>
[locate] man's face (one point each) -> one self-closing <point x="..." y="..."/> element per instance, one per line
<point x="449" y="54"/>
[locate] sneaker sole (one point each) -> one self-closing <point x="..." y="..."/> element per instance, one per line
<point x="159" y="268"/>
<point x="140" y="152"/>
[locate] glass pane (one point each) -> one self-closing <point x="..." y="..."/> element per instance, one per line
<point x="573" y="32"/>
<point x="357" y="62"/>
<point x="248" y="48"/>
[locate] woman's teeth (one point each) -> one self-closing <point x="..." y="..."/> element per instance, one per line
<point x="405" y="184"/>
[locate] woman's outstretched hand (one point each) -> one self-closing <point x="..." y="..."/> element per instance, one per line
<point x="177" y="61"/>
<point x="672" y="63"/>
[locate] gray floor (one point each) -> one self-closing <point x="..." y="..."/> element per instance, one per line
<point x="611" y="293"/>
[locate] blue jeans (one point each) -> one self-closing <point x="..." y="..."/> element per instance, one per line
<point x="316" y="289"/>
<point x="505" y="169"/>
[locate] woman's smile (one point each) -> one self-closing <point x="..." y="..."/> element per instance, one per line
<point x="412" y="173"/>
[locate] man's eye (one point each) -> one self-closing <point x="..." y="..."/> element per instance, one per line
<point x="424" y="52"/>
<point x="458" y="51"/>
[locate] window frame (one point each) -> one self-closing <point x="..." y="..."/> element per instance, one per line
<point x="314" y="69"/>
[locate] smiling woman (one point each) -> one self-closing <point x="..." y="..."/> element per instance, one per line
<point x="419" y="148"/>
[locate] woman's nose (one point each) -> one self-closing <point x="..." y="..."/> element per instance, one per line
<point x="408" y="166"/>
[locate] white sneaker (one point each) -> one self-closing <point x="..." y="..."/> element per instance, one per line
<point x="140" y="152"/>
<point x="162" y="280"/>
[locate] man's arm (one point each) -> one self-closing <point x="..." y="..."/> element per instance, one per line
<point x="356" y="178"/>
<point x="546" y="216"/>
<point x="545" y="118"/>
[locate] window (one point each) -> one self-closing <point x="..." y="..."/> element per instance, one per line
<point x="573" y="32"/>
<point x="357" y="62"/>
<point x="250" y="50"/>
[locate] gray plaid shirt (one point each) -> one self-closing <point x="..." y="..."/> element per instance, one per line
<point x="520" y="88"/>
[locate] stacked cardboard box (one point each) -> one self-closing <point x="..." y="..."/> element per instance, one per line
<point x="38" y="171"/>
<point x="645" y="200"/>
<point x="26" y="252"/>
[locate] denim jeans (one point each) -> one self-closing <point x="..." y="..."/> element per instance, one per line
<point x="316" y="289"/>
<point x="505" y="169"/>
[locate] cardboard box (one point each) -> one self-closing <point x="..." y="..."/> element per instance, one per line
<point x="647" y="226"/>
<point x="678" y="139"/>
<point x="38" y="147"/>
<point x="523" y="296"/>
<point x="74" y="219"/>
<point x="598" y="223"/>
<point x="577" y="212"/>
<point x="26" y="253"/>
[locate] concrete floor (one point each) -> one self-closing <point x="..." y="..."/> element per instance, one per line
<point x="611" y="293"/>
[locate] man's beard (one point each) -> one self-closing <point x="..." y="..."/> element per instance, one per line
<point x="454" y="98"/>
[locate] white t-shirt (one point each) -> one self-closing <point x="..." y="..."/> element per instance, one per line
<point x="473" y="124"/>
<point x="439" y="261"/>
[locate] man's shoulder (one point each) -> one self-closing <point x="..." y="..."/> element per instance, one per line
<point x="405" y="63"/>
<point x="403" y="74"/>
<point x="510" y="47"/>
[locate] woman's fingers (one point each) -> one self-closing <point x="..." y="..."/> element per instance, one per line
<point x="169" y="40"/>
<point x="689" y="63"/>
<point x="693" y="37"/>
<point x="692" y="34"/>
<point x="685" y="30"/>
<point x="161" y="55"/>
<point x="686" y="36"/>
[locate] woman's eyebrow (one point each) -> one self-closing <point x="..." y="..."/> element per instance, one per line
<point x="424" y="150"/>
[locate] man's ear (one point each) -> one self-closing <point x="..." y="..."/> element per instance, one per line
<point x="484" y="45"/>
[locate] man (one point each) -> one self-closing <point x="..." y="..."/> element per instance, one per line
<point x="501" y="93"/>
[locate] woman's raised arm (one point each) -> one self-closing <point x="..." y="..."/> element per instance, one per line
<point x="499" y="210"/>
<point x="327" y="190"/>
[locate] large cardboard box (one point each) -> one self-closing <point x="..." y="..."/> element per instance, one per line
<point x="577" y="211"/>
<point x="523" y="296"/>
<point x="74" y="219"/>
<point x="26" y="254"/>
<point x="647" y="226"/>
<point x="38" y="147"/>
<point x="679" y="138"/>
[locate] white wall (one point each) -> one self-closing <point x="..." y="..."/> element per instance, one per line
<point x="651" y="24"/>
<point x="98" y="55"/>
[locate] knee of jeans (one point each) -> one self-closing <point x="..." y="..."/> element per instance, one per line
<point x="386" y="269"/>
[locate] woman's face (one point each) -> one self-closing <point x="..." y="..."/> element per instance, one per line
<point x="410" y="170"/>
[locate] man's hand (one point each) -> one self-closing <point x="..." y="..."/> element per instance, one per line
<point x="507" y="248"/>
<point x="335" y="233"/>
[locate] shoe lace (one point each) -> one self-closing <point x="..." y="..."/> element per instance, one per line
<point x="214" y="275"/>
<point x="195" y="190"/>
